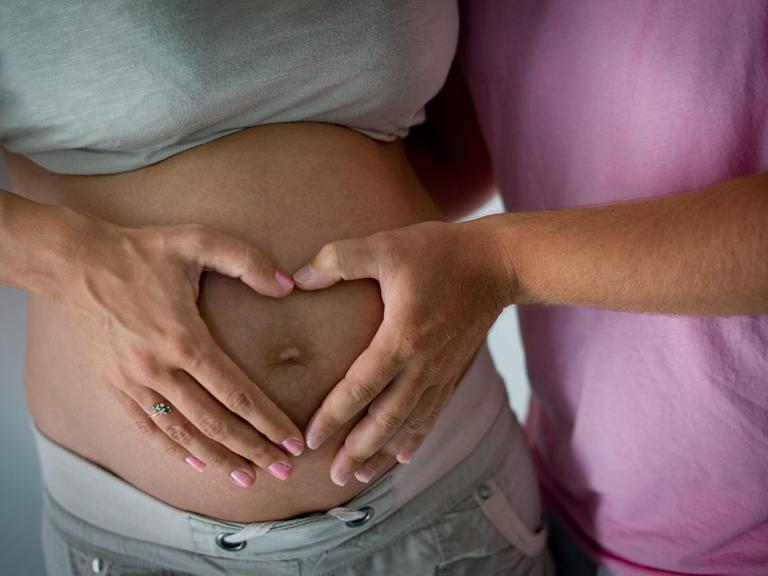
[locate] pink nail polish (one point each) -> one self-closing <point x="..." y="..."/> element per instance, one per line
<point x="283" y="280"/>
<point x="241" y="478"/>
<point x="195" y="463"/>
<point x="280" y="470"/>
<point x="294" y="446"/>
<point x="365" y="474"/>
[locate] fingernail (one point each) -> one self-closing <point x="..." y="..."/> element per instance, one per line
<point x="280" y="470"/>
<point x="365" y="474"/>
<point x="294" y="446"/>
<point x="283" y="280"/>
<point x="341" y="479"/>
<point x="195" y="463"/>
<point x="241" y="478"/>
<point x="303" y="274"/>
<point x="404" y="457"/>
<point x="315" y="439"/>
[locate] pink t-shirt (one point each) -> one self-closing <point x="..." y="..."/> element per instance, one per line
<point x="650" y="432"/>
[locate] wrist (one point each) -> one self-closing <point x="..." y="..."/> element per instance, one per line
<point x="50" y="240"/>
<point x="75" y="235"/>
<point x="500" y="265"/>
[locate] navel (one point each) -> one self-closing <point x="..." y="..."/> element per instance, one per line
<point x="289" y="355"/>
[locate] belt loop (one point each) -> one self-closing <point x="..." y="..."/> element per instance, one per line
<point x="499" y="511"/>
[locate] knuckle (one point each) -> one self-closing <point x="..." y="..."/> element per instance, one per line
<point x="182" y="348"/>
<point x="125" y="376"/>
<point x="361" y="393"/>
<point x="389" y="359"/>
<point x="260" y="454"/>
<point x="213" y="427"/>
<point x="329" y="256"/>
<point x="389" y="422"/>
<point x="145" y="365"/>
<point x="180" y="433"/>
<point x="434" y="412"/>
<point x="413" y="393"/>
<point x="196" y="235"/>
<point x="204" y="348"/>
<point x="134" y="355"/>
<point x="385" y="243"/>
<point x="395" y="359"/>
<point x="145" y="427"/>
<point x="240" y="402"/>
<point x="184" y="238"/>
<point x="414" y="424"/>
<point x="414" y="342"/>
<point x="431" y="368"/>
<point x="392" y="254"/>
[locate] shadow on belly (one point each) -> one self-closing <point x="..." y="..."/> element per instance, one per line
<point x="296" y="348"/>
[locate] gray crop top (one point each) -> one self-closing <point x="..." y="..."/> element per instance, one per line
<point x="101" y="87"/>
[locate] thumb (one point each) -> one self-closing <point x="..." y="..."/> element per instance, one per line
<point x="341" y="260"/>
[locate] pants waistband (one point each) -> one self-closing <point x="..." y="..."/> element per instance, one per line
<point x="95" y="496"/>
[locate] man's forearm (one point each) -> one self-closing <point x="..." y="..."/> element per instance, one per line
<point x="36" y="243"/>
<point x="703" y="252"/>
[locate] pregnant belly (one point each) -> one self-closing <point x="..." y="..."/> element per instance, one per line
<point x="288" y="189"/>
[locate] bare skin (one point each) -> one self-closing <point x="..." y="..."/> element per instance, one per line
<point x="704" y="252"/>
<point x="284" y="190"/>
<point x="701" y="253"/>
<point x="149" y="344"/>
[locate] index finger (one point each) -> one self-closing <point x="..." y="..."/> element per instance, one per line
<point x="370" y="373"/>
<point x="226" y="382"/>
<point x="233" y="257"/>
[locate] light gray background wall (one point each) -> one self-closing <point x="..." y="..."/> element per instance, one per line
<point x="19" y="472"/>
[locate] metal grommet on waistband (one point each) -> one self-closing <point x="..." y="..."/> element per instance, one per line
<point x="369" y="512"/>
<point x="484" y="492"/>
<point x="229" y="546"/>
<point x="97" y="565"/>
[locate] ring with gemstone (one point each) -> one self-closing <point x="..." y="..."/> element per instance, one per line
<point x="161" y="408"/>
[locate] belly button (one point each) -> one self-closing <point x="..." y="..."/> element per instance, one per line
<point x="290" y="355"/>
<point x="293" y="352"/>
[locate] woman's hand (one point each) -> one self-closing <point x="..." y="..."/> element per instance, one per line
<point x="443" y="286"/>
<point x="133" y="294"/>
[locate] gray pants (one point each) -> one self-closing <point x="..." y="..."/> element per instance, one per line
<point x="464" y="523"/>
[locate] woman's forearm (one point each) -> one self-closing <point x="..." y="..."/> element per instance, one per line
<point x="37" y="243"/>
<point x="131" y="294"/>
<point x="703" y="252"/>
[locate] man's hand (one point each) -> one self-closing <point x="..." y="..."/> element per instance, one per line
<point x="443" y="286"/>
